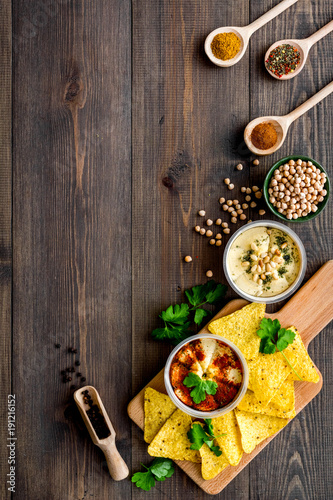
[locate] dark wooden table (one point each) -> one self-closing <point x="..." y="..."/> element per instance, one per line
<point x="115" y="129"/>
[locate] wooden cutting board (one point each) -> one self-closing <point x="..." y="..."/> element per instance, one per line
<point x="309" y="310"/>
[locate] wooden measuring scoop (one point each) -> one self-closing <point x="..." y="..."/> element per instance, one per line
<point x="105" y="437"/>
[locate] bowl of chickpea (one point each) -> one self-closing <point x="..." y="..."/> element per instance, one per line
<point x="296" y="189"/>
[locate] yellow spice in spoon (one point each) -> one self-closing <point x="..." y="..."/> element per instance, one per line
<point x="225" y="45"/>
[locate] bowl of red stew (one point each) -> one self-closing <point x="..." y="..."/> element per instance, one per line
<point x="206" y="376"/>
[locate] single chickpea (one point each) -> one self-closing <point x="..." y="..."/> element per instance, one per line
<point x="218" y="236"/>
<point x="224" y="224"/>
<point x="234" y="213"/>
<point x="247" y="198"/>
<point x="227" y="181"/>
<point x="218" y="243"/>
<point x="218" y="222"/>
<point x="197" y="229"/>
<point x="231" y="187"/>
<point x="262" y="212"/>
<point x="226" y="230"/>
<point x="234" y="220"/>
<point x="235" y="202"/>
<point x="209" y="273"/>
<point x="291" y="162"/>
<point x="258" y="195"/>
<point x="239" y="166"/>
<point x="209" y="233"/>
<point x="255" y="189"/>
<point x="230" y="209"/>
<point x="243" y="189"/>
<point x="245" y="206"/>
<point x="188" y="258"/>
<point x="238" y="206"/>
<point x="239" y="211"/>
<point x="225" y="207"/>
<point x="299" y="162"/>
<point x="229" y="203"/>
<point x="202" y="231"/>
<point x="212" y="241"/>
<point x="221" y="200"/>
<point x="242" y="216"/>
<point x="253" y="204"/>
<point x="202" y="213"/>
<point x="256" y="162"/>
<point x="248" y="190"/>
<point x="209" y="222"/>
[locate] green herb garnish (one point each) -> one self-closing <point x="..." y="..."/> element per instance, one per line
<point x="201" y="387"/>
<point x="199" y="435"/>
<point x="178" y="318"/>
<point x="160" y="469"/>
<point x="274" y="338"/>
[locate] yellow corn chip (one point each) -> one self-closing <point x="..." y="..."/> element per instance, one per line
<point x="172" y="442"/>
<point x="158" y="408"/>
<point x="282" y="405"/>
<point x="241" y="328"/>
<point x="305" y="366"/>
<point x="230" y="444"/>
<point x="211" y="464"/>
<point x="255" y="428"/>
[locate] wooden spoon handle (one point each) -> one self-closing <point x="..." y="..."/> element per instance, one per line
<point x="285" y="4"/>
<point x="117" y="466"/>
<point x="309" y="103"/>
<point x="316" y="300"/>
<point x="325" y="30"/>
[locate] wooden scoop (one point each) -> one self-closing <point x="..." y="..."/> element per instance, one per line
<point x="244" y="33"/>
<point x="303" y="47"/>
<point x="117" y="467"/>
<point x="282" y="123"/>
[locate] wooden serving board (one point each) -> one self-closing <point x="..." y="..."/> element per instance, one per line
<point x="309" y="310"/>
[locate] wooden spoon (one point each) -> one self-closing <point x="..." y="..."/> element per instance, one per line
<point x="303" y="47"/>
<point x="117" y="467"/>
<point x="244" y="33"/>
<point x="282" y="123"/>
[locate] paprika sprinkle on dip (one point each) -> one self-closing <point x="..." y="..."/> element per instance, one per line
<point x="283" y="60"/>
<point x="210" y="363"/>
<point x="264" y="136"/>
<point x="225" y="46"/>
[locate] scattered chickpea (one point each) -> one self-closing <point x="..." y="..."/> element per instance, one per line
<point x="209" y="233"/>
<point x="224" y="224"/>
<point x="221" y="200"/>
<point x="242" y="217"/>
<point x="239" y="211"/>
<point x="197" y="229"/>
<point x="218" y="236"/>
<point x="225" y="207"/>
<point x="239" y="166"/>
<point x="209" y="222"/>
<point x="255" y="189"/>
<point x="209" y="274"/>
<point x="231" y="187"/>
<point x="226" y="230"/>
<point x="253" y="204"/>
<point x="255" y="162"/>
<point x="235" y="202"/>
<point x="229" y="203"/>
<point x="234" y="220"/>
<point x="218" y="243"/>
<point x="227" y="181"/>
<point x="243" y="189"/>
<point x="230" y="209"/>
<point x="258" y="195"/>
<point x="248" y="190"/>
<point x="212" y="241"/>
<point x="234" y="213"/>
<point x="247" y="198"/>
<point x="218" y="222"/>
<point x="188" y="258"/>
<point x="262" y="212"/>
<point x="202" y="213"/>
<point x="202" y="231"/>
<point x="245" y="206"/>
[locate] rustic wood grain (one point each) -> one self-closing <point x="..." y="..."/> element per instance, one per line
<point x="5" y="235"/>
<point x="122" y="130"/>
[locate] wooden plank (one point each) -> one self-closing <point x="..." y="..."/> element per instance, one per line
<point x="307" y="473"/>
<point x="315" y="291"/>
<point x="188" y="117"/>
<point x="72" y="238"/>
<point x="5" y="238"/>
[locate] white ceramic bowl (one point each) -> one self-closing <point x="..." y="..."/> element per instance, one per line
<point x="192" y="411"/>
<point x="293" y="287"/>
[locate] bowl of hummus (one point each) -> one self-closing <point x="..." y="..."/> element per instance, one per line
<point x="265" y="261"/>
<point x="206" y="376"/>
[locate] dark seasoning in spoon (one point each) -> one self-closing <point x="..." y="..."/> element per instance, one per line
<point x="95" y="416"/>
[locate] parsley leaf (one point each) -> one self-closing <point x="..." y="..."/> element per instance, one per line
<point x="200" y="314"/>
<point x="211" y="292"/>
<point x="274" y="338"/>
<point x="176" y="314"/>
<point x="199" y="435"/>
<point x="160" y="469"/>
<point x="201" y="387"/>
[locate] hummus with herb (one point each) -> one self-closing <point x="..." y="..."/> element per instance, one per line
<point x="263" y="261"/>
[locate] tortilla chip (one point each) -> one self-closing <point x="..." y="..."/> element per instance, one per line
<point x="230" y="444"/>
<point x="211" y="464"/>
<point x="241" y="328"/>
<point x="282" y="405"/>
<point x="158" y="408"/>
<point x="305" y="366"/>
<point x="255" y="428"/>
<point x="172" y="442"/>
